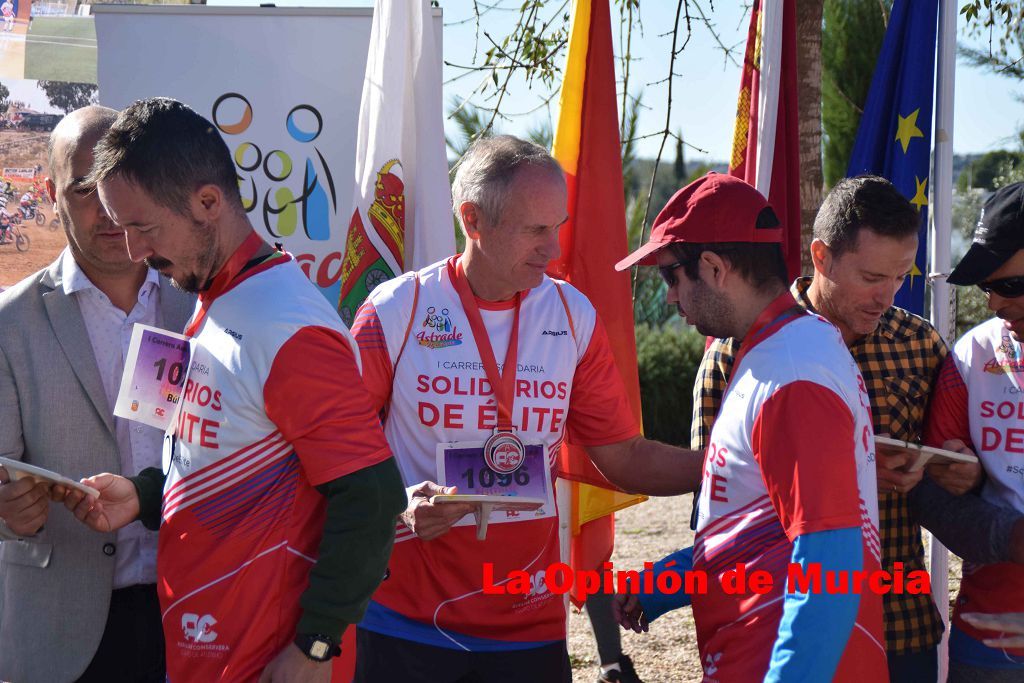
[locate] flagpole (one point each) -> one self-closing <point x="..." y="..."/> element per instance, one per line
<point x="941" y="216"/>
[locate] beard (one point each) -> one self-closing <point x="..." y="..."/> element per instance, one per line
<point x="205" y="255"/>
<point x="712" y="314"/>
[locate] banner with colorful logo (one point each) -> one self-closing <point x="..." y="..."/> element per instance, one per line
<point x="586" y="143"/>
<point x="278" y="84"/>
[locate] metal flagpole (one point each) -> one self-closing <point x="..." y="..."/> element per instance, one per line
<point x="941" y="216"/>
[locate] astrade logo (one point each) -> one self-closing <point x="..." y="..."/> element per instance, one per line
<point x="555" y="333"/>
<point x="438" y="330"/>
<point x="1004" y="366"/>
<point x="198" y="629"/>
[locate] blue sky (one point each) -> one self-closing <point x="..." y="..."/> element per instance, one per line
<point x="986" y="114"/>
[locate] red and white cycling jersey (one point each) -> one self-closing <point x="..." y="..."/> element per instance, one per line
<point x="979" y="399"/>
<point x="566" y="382"/>
<point x="791" y="453"/>
<point x="273" y="406"/>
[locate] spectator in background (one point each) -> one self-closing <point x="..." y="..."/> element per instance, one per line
<point x="77" y="605"/>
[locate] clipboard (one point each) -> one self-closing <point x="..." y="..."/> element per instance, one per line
<point x="925" y="455"/>
<point x="484" y="505"/>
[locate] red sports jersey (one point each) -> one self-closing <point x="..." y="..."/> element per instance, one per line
<point x="273" y="406"/>
<point x="422" y="367"/>
<point x="790" y="453"/>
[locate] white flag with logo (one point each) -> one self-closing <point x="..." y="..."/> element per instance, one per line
<point x="401" y="218"/>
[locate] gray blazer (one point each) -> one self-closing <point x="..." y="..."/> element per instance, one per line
<point x="55" y="587"/>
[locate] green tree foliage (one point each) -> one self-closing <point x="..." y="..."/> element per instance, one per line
<point x="850" y="42"/>
<point x="68" y="96"/>
<point x="971" y="303"/>
<point x="5" y="96"/>
<point x="679" y="168"/>
<point x="998" y="26"/>
<point x="668" y="359"/>
<point x="983" y="172"/>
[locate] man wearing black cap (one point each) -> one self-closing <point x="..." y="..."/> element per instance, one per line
<point x="978" y="406"/>
<point x="788" y="475"/>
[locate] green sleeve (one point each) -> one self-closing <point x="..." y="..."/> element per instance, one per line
<point x="149" y="485"/>
<point x="359" y="531"/>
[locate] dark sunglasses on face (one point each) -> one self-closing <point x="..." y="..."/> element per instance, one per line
<point x="668" y="273"/>
<point x="1007" y="287"/>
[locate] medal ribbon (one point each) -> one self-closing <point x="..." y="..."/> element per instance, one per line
<point x="504" y="383"/>
<point x="223" y="279"/>
<point x="782" y="309"/>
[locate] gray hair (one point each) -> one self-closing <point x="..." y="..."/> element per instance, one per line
<point x="487" y="169"/>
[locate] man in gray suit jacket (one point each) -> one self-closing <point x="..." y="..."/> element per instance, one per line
<point x="76" y="604"/>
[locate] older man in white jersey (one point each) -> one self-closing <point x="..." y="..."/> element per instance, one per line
<point x="482" y="364"/>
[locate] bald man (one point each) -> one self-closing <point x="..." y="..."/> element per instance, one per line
<point x="76" y="604"/>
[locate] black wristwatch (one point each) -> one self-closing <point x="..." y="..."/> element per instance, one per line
<point x="317" y="647"/>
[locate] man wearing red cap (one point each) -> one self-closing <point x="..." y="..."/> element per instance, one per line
<point x="789" y="474"/>
<point x="865" y="243"/>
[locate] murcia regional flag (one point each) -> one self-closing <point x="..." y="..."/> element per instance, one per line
<point x="765" y="145"/>
<point x="401" y="218"/>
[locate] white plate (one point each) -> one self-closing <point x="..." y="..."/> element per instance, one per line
<point x="486" y="504"/>
<point x="20" y="470"/>
<point x="924" y="454"/>
<point x="498" y="502"/>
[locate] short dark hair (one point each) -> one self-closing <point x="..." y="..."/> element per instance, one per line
<point x="168" y="150"/>
<point x="760" y="263"/>
<point x="865" y="201"/>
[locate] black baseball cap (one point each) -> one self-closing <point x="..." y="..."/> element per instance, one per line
<point x="999" y="235"/>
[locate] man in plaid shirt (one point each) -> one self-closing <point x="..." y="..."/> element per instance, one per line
<point x="865" y="241"/>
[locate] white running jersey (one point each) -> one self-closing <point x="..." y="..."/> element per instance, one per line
<point x="435" y="390"/>
<point x="272" y="406"/>
<point x="979" y="399"/>
<point x="790" y="453"/>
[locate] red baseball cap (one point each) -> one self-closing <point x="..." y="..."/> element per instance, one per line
<point x="712" y="209"/>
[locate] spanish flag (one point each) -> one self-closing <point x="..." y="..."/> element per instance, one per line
<point x="586" y="143"/>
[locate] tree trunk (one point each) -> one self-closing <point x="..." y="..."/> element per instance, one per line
<point x="808" y="60"/>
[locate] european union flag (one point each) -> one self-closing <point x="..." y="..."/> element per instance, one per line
<point x="895" y="135"/>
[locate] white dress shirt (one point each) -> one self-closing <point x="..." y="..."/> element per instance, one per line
<point x="138" y="445"/>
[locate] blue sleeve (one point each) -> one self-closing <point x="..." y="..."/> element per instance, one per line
<point x="655" y="603"/>
<point x="815" y="626"/>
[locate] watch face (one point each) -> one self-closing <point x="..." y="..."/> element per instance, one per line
<point x="319" y="649"/>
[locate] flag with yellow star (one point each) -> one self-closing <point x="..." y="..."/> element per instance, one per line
<point x="894" y="139"/>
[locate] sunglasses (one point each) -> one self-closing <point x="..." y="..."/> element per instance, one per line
<point x="1007" y="287"/>
<point x="668" y="273"/>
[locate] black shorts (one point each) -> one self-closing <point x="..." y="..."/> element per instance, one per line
<point x="383" y="659"/>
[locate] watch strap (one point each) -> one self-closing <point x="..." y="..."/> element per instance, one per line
<point x="318" y="647"/>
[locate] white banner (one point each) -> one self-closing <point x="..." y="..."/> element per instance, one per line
<point x="20" y="173"/>
<point x="283" y="87"/>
